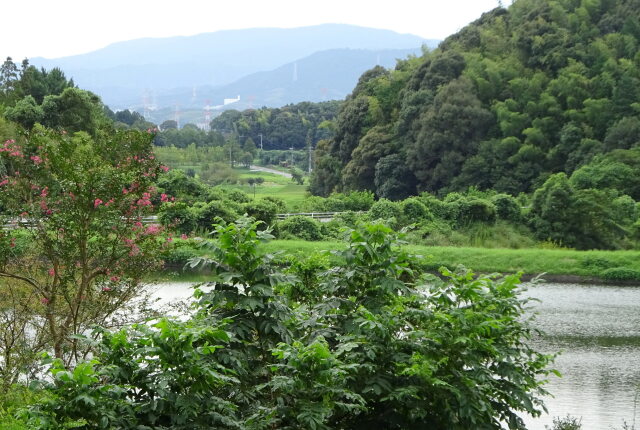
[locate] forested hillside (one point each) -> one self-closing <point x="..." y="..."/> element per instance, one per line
<point x="519" y="95"/>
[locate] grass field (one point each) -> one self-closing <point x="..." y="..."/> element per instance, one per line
<point x="529" y="261"/>
<point x="274" y="185"/>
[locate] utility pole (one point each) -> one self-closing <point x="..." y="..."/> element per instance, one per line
<point x="309" y="167"/>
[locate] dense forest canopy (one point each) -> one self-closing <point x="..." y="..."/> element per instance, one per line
<point x="292" y="126"/>
<point x="521" y="94"/>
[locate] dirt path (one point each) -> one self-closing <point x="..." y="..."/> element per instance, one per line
<point x="274" y="171"/>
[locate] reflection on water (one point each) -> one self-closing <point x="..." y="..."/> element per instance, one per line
<point x="597" y="329"/>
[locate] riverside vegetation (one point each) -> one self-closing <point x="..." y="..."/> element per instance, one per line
<point x="521" y="131"/>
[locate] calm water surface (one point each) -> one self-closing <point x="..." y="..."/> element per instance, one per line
<point x="597" y="328"/>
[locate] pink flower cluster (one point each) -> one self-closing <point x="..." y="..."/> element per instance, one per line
<point x="145" y="200"/>
<point x="11" y="147"/>
<point x="133" y="248"/>
<point x="153" y="229"/>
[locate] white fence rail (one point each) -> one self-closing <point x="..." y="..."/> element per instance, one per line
<point x="28" y="222"/>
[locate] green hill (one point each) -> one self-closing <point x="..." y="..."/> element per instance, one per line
<point x="542" y="87"/>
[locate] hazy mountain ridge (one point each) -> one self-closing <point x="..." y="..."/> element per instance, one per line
<point x="128" y="70"/>
<point x="326" y="75"/>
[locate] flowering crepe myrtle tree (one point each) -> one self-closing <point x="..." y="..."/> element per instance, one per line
<point x="81" y="200"/>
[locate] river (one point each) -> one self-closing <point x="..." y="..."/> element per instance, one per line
<point x="597" y="330"/>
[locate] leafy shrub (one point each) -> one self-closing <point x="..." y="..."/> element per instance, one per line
<point x="281" y="206"/>
<point x="414" y="210"/>
<point x="385" y="209"/>
<point x="620" y="274"/>
<point x="262" y="210"/>
<point x="208" y="214"/>
<point x="436" y="207"/>
<point x="476" y="210"/>
<point x="238" y="196"/>
<point x="355" y="200"/>
<point x="301" y="227"/>
<point x="366" y="344"/>
<point x="507" y="207"/>
<point x="178" y="216"/>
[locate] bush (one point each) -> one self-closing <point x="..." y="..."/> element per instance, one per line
<point x="620" y="274"/>
<point x="262" y="210"/>
<point x="367" y="344"/>
<point x="476" y="210"/>
<point x="385" y="209"/>
<point x="238" y="196"/>
<point x="281" y="206"/>
<point x="177" y="216"/>
<point x="415" y="211"/>
<point x="208" y="214"/>
<point x="300" y="227"/>
<point x="507" y="207"/>
<point x="355" y="200"/>
<point x="436" y="207"/>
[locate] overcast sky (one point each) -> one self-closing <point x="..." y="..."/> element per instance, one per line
<point x="51" y="29"/>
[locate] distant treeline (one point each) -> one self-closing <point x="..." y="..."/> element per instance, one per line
<point x="292" y="126"/>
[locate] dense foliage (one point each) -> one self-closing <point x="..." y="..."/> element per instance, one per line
<point x="292" y="126"/>
<point x="371" y="343"/>
<point x="519" y="95"/>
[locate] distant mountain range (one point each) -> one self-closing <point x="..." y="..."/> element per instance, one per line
<point x="325" y="75"/>
<point x="256" y="64"/>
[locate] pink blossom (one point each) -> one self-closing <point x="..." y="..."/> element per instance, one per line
<point x="52" y="272"/>
<point x="164" y="198"/>
<point x="106" y="289"/>
<point x="44" y="192"/>
<point x="97" y="202"/>
<point x="114" y="279"/>
<point x="164" y="168"/>
<point x="153" y="229"/>
<point x="4" y="182"/>
<point x="44" y="300"/>
<point x="125" y="191"/>
<point x="36" y="159"/>
<point x="184" y="236"/>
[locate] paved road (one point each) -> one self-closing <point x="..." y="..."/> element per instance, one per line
<point x="274" y="171"/>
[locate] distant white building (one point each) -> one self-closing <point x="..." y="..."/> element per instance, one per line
<point x="229" y="101"/>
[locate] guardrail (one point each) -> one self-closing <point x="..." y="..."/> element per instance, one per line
<point x="316" y="215"/>
<point x="28" y="222"/>
<point x="308" y="214"/>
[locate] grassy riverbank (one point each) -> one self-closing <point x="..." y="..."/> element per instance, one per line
<point x="590" y="264"/>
